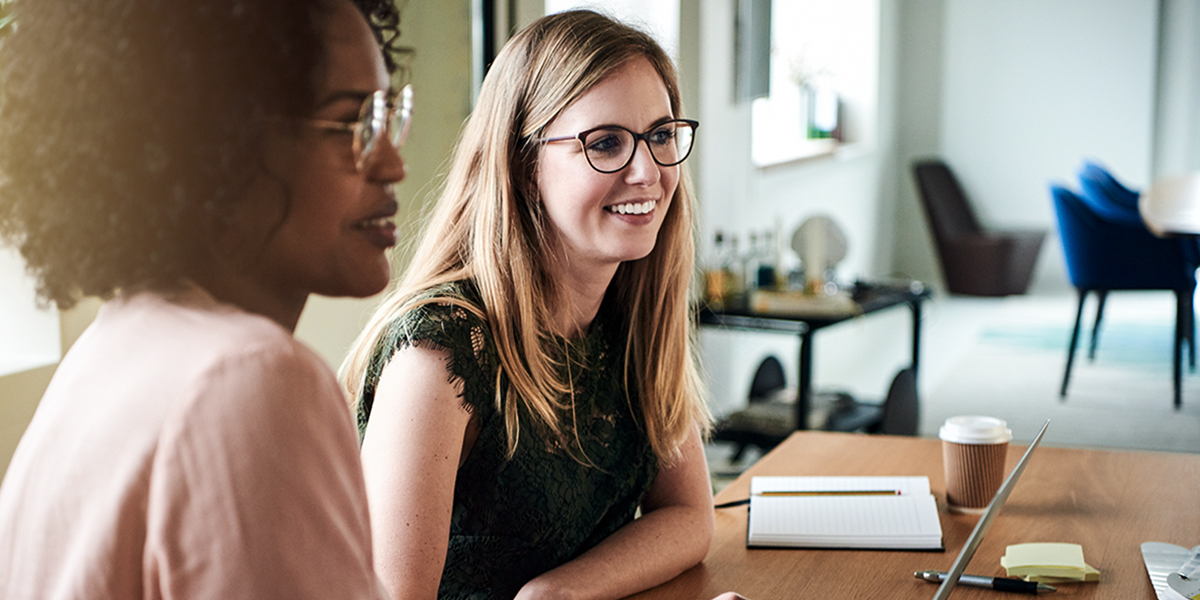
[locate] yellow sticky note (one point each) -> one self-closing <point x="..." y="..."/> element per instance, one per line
<point x="1048" y="562"/>
<point x="1090" y="574"/>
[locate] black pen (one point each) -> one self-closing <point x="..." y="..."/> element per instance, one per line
<point x="996" y="583"/>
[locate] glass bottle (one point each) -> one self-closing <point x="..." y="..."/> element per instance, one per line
<point x="750" y="263"/>
<point x="767" y="263"/>
<point x="737" y="273"/>
<point x="716" y="273"/>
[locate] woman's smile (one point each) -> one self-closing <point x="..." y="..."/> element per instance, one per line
<point x="632" y="208"/>
<point x="379" y="228"/>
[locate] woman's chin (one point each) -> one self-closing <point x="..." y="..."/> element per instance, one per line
<point x="366" y="283"/>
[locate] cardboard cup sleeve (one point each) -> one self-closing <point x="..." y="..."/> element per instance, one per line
<point x="974" y="473"/>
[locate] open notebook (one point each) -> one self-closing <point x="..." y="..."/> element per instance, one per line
<point x="895" y="513"/>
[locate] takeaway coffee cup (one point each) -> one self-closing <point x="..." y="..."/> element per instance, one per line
<point x="973" y="452"/>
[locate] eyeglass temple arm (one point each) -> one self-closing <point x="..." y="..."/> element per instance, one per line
<point x="561" y="138"/>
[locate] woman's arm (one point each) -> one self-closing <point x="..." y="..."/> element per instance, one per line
<point x="410" y="456"/>
<point x="671" y="536"/>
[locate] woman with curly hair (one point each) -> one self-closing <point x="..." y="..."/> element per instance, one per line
<point x="530" y="385"/>
<point x="204" y="165"/>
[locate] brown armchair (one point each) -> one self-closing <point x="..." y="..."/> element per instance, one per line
<point x="974" y="262"/>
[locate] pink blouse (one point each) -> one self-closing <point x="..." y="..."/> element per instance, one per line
<point x="187" y="449"/>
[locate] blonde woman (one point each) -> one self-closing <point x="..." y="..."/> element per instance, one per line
<point x="530" y="383"/>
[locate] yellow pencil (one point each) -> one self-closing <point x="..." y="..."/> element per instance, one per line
<point x="835" y="493"/>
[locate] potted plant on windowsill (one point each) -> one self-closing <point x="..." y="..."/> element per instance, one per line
<point x="819" y="101"/>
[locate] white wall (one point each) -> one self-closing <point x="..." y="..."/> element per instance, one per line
<point x="1178" y="124"/>
<point x="1030" y="88"/>
<point x="918" y="132"/>
<point x="660" y="18"/>
<point x="968" y="68"/>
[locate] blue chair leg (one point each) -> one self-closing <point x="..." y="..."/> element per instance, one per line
<point x="1103" y="295"/>
<point x="1062" y="393"/>
<point x="1183" y="306"/>
<point x="1191" y="328"/>
<point x="1191" y="339"/>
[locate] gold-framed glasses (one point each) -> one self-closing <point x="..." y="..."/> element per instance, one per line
<point x="379" y="116"/>
<point x="611" y="148"/>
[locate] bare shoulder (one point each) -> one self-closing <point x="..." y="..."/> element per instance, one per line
<point x="417" y="399"/>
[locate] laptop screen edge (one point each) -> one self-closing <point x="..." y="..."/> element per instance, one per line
<point x="968" y="551"/>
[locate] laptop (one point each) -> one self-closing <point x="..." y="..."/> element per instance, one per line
<point x="985" y="521"/>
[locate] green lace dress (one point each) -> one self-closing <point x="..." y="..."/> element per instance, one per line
<point x="514" y="519"/>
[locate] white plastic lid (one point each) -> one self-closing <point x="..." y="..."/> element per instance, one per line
<point x="975" y="429"/>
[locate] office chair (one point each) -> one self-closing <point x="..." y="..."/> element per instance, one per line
<point x="899" y="414"/>
<point x="767" y="421"/>
<point x="1104" y="256"/>
<point x="974" y="261"/>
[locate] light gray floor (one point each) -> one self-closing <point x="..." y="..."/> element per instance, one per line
<point x="1005" y="357"/>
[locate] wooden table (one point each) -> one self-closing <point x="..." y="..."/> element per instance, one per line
<point x="870" y="300"/>
<point x="1108" y="502"/>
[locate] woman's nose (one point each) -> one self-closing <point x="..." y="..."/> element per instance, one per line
<point x="642" y="169"/>
<point x="385" y="165"/>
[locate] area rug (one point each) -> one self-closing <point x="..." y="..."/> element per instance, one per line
<point x="1122" y="399"/>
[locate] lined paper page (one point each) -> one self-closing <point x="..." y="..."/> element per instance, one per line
<point x="905" y="485"/>
<point x="905" y="521"/>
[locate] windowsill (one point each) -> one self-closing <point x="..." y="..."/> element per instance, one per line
<point x="766" y="156"/>
<point x="821" y="49"/>
<point x="815" y="150"/>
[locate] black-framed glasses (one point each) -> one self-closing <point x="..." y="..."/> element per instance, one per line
<point x="378" y="116"/>
<point x="611" y="148"/>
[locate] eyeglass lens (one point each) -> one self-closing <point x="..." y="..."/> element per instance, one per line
<point x="610" y="149"/>
<point x="376" y="119"/>
<point x="401" y="116"/>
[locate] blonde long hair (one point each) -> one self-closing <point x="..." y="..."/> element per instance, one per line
<point x="489" y="226"/>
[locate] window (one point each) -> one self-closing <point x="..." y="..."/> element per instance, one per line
<point x="823" y="80"/>
<point x="29" y="336"/>
<point x="660" y="18"/>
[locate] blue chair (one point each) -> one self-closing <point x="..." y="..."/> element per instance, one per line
<point x="1108" y="196"/>
<point x="1104" y="255"/>
<point x="1113" y="201"/>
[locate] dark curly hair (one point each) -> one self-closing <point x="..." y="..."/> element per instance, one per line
<point x="130" y="129"/>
